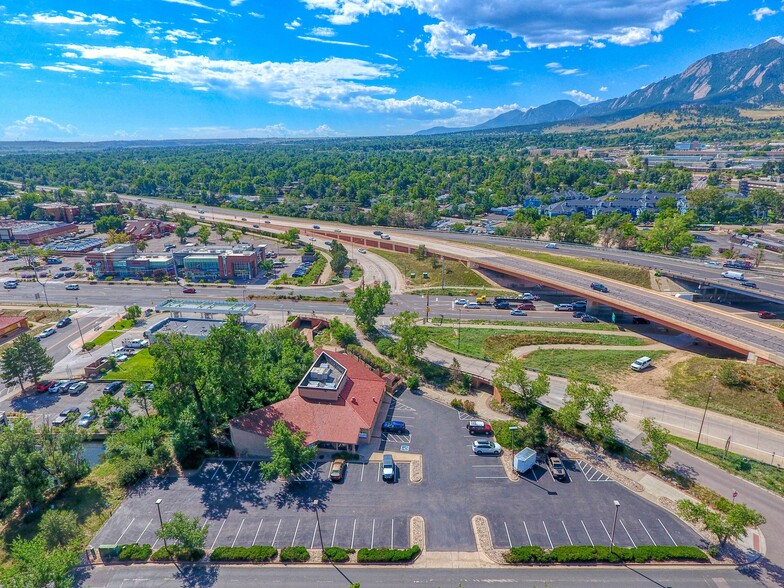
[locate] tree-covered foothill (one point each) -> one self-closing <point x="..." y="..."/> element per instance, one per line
<point x="202" y="384"/>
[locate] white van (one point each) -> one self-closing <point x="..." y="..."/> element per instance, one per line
<point x="730" y="275"/>
<point x="641" y="364"/>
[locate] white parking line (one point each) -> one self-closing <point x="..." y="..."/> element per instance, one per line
<point x="218" y="535"/>
<point x="242" y="522"/>
<point x="499" y="465"/>
<point x="296" y="530"/>
<point x="548" y="535"/>
<point x="627" y="533"/>
<point x="392" y="540"/>
<point x="490" y="477"/>
<point x="362" y="474"/>
<point x="567" y="533"/>
<point x="217" y="469"/>
<point x="124" y="532"/>
<point x="335" y="530"/>
<point x="668" y="533"/>
<point x="508" y="538"/>
<point x="646" y="531"/>
<point x="587" y="533"/>
<point x="373" y="534"/>
<point x="276" y="533"/>
<point x="205" y="523"/>
<point x="250" y="469"/>
<point x="256" y="536"/>
<point x="139" y="540"/>
<point x="313" y="540"/>
<point x="533" y="472"/>
<point x="236" y="463"/>
<point x="527" y="534"/>
<point x="353" y="531"/>
<point x="605" y="530"/>
<point x="378" y="476"/>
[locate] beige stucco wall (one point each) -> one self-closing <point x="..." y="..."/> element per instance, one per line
<point x="248" y="444"/>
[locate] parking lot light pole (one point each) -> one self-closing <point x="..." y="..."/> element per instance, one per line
<point x="160" y="519"/>
<point x="316" y="505"/>
<point x="615" y="522"/>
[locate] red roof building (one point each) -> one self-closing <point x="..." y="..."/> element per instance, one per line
<point x="336" y="404"/>
<point x="10" y="324"/>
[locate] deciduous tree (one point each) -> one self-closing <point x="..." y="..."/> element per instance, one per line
<point x="511" y="376"/>
<point x="412" y="337"/>
<point x="289" y="452"/>
<point x="185" y="531"/>
<point x="368" y="304"/>
<point x="654" y="440"/>
<point x="597" y="404"/>
<point x="727" y="525"/>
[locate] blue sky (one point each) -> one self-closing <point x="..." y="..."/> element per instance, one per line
<point x="154" y="69"/>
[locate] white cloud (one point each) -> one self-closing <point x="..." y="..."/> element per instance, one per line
<point x="497" y="67"/>
<point x="270" y="131"/>
<point x="255" y="15"/>
<point x="200" y="21"/>
<point x="436" y="112"/>
<point x="236" y="2"/>
<point x="72" y="68"/>
<point x="174" y="35"/>
<point x="641" y="66"/>
<point x="762" y="12"/>
<point x="414" y="46"/>
<point x="37" y="127"/>
<point x="108" y="32"/>
<point x="385" y="56"/>
<point x="556" y="67"/>
<point x="455" y="42"/>
<point x="19" y="65"/>
<point x="303" y="84"/>
<point x="194" y="4"/>
<point x="71" y="18"/>
<point x="603" y="89"/>
<point x="541" y="24"/>
<point x="330" y="41"/>
<point x="322" y="32"/>
<point x="151" y="27"/>
<point x="581" y="96"/>
<point x="294" y="24"/>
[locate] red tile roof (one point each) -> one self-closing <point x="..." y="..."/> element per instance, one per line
<point x="336" y="422"/>
<point x="7" y="321"/>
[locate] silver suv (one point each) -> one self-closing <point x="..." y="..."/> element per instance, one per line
<point x="485" y="446"/>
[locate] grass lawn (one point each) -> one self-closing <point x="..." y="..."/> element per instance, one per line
<point x="637" y="276"/>
<point x="356" y="272"/>
<point x="464" y="292"/>
<point x="522" y="323"/>
<point x="314" y="273"/>
<point x="585" y="364"/>
<point x="760" y="473"/>
<point x="493" y="344"/>
<point x="752" y="398"/>
<point x="455" y="273"/>
<point x="105" y="337"/>
<point x="137" y="369"/>
<point x="122" y="325"/>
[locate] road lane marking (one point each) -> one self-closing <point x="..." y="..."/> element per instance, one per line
<point x="548" y="535"/>
<point x="668" y="533"/>
<point x="646" y="531"/>
<point x="218" y="535"/>
<point x="256" y="536"/>
<point x="508" y="538"/>
<point x="294" y="538"/>
<point x="373" y="534"/>
<point x="276" y="533"/>
<point x="313" y="540"/>
<point x="605" y="530"/>
<point x="124" y="532"/>
<point x="335" y="530"/>
<point x="242" y="522"/>
<point x="587" y="533"/>
<point x="527" y="534"/>
<point x="139" y="540"/>
<point x="353" y="531"/>
<point x="627" y="533"/>
<point x="567" y="533"/>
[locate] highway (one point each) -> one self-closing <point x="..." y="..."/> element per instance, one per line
<point x="706" y="322"/>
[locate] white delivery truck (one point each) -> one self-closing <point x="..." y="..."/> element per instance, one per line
<point x="524" y="460"/>
<point x="730" y="275"/>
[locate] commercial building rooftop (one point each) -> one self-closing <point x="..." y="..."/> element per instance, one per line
<point x="205" y="306"/>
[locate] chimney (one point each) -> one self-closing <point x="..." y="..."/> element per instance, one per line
<point x="354" y="400"/>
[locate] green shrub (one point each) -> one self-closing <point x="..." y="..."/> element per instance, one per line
<point x="336" y="554"/>
<point x="347" y="455"/>
<point x="257" y="553"/>
<point x="456" y="403"/>
<point x="108" y="278"/>
<point x="178" y="552"/>
<point x="525" y="555"/>
<point x="469" y="406"/>
<point x="412" y="382"/>
<point x="386" y="346"/>
<point x="135" y="552"/>
<point x="780" y="395"/>
<point x="89" y="346"/>
<point x="297" y="553"/>
<point x="383" y="554"/>
<point x="374" y="362"/>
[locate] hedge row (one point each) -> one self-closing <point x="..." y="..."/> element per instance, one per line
<point x="373" y="361"/>
<point x="178" y="552"/>
<point x="336" y="554"/>
<point x="257" y="553"/>
<point x="601" y="553"/>
<point x="134" y="552"/>
<point x="297" y="553"/>
<point x="366" y="555"/>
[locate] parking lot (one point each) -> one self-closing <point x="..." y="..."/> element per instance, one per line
<point x="44" y="407"/>
<point x="365" y="511"/>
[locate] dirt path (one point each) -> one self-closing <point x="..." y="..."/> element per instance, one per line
<point x="653" y="381"/>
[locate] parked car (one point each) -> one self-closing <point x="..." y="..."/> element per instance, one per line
<point x="639" y="320"/>
<point x="766" y="314"/>
<point x="557" y="468"/>
<point x="43" y="386"/>
<point x="461" y="301"/>
<point x="316" y="227"/>
<point x="578" y="314"/>
<point x="473" y="305"/>
<point x="11" y="258"/>
<point x="77" y="388"/>
<point x="564" y="307"/>
<point x="518" y="312"/>
<point x="72" y="287"/>
<point x="255" y="226"/>
<point x="338" y="470"/>
<point x="87" y="419"/>
<point x="70" y="274"/>
<point x="59" y="387"/>
<point x="485" y="446"/>
<point x="58" y="275"/>
<point x="599" y="287"/>
<point x="138" y="343"/>
<point x="112" y="387"/>
<point x="53" y="260"/>
<point x="65" y="268"/>
<point x="479" y="428"/>
<point x="587" y="318"/>
<point x="389" y="470"/>
<point x="362" y="250"/>
<point x="393" y="427"/>
<point x="385" y="237"/>
<point x="10" y="284"/>
<point x="641" y="364"/>
<point x="378" y="233"/>
<point x="66" y="416"/>
<point x="189" y="290"/>
<point x="64" y="322"/>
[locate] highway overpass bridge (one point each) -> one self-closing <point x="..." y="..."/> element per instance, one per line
<point x="760" y="342"/>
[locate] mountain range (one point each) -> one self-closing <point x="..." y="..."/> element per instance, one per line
<point x="751" y="78"/>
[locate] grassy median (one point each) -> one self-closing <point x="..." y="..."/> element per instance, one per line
<point x="586" y="364"/>
<point x="137" y="368"/>
<point x="455" y="273"/>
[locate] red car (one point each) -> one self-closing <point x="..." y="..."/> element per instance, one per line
<point x="766" y="314"/>
<point x="42" y="387"/>
<point x="189" y="290"/>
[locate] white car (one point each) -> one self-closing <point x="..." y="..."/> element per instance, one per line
<point x="361" y="250"/>
<point x="566" y="307"/>
<point x="47" y="333"/>
<point x="138" y="343"/>
<point x="473" y="305"/>
<point x="551" y="246"/>
<point x="485" y="446"/>
<point x="461" y="301"/>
